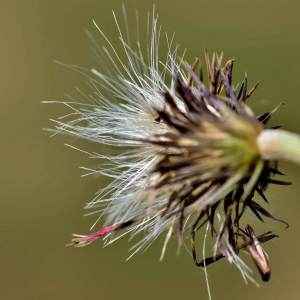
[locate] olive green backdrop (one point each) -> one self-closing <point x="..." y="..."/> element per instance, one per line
<point x="42" y="194"/>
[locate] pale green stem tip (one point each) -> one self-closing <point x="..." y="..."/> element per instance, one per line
<point x="279" y="145"/>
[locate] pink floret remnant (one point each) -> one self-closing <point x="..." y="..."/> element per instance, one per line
<point x="83" y="240"/>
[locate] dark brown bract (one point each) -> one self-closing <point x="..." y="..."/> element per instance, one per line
<point x="210" y="164"/>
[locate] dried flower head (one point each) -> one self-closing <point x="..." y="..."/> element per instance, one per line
<point x="192" y="152"/>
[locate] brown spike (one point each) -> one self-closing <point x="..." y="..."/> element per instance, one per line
<point x="252" y="89"/>
<point x="208" y="65"/>
<point x="194" y="67"/>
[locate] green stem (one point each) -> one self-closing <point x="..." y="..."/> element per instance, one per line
<point x="279" y="145"/>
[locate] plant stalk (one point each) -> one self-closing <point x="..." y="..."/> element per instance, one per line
<point x="279" y="145"/>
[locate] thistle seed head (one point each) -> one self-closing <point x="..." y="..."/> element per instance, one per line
<point x="189" y="151"/>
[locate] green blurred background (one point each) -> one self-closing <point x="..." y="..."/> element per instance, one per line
<point x="42" y="194"/>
